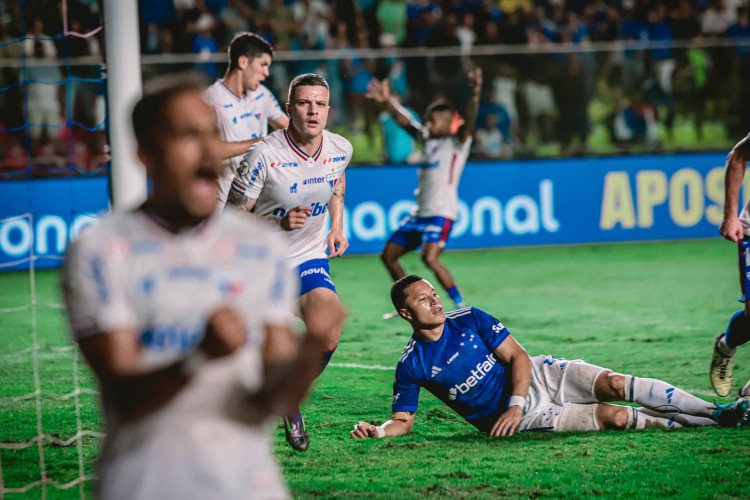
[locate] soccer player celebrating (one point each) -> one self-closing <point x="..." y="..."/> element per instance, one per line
<point x="444" y="155"/>
<point x="292" y="179"/>
<point x="470" y="361"/>
<point x="243" y="105"/>
<point x="184" y="316"/>
<point x="735" y="229"/>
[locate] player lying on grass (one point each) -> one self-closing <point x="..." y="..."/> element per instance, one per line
<point x="735" y="229"/>
<point x="470" y="361"/>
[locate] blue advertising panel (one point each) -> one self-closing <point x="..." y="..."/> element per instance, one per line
<point x="507" y="203"/>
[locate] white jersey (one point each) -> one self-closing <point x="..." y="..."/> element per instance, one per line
<point x="128" y="272"/>
<point x="240" y="119"/>
<point x="444" y="159"/>
<point x="281" y="176"/>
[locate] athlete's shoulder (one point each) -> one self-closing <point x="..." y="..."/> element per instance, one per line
<point x="104" y="231"/>
<point x="461" y="311"/>
<point x="338" y="145"/>
<point x="214" y="93"/>
<point x="407" y="351"/>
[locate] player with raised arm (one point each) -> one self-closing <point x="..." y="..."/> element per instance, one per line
<point x="444" y="154"/>
<point x="735" y="229"/>
<point x="185" y="318"/>
<point x="291" y="180"/>
<point x="469" y="360"/>
<point x="244" y="106"/>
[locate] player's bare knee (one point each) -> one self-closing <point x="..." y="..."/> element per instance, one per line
<point x="612" y="417"/>
<point x="430" y="260"/>
<point x="609" y="386"/>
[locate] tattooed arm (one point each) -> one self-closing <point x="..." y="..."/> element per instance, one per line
<point x="337" y="243"/>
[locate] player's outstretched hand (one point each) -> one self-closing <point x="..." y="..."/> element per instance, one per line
<point x="508" y="422"/>
<point x="337" y="244"/>
<point x="378" y="90"/>
<point x="364" y="430"/>
<point x="225" y="333"/>
<point x="731" y="229"/>
<point x="475" y="80"/>
<point x="295" y="218"/>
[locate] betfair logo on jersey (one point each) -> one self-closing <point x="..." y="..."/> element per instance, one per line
<point x="284" y="164"/>
<point x="317" y="209"/>
<point x="313" y="180"/>
<point x="333" y="159"/>
<point x="477" y="374"/>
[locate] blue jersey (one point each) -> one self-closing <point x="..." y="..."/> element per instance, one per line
<point x="458" y="368"/>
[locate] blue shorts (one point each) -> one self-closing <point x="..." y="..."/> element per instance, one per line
<point x="744" y="260"/>
<point x="313" y="274"/>
<point x="414" y="231"/>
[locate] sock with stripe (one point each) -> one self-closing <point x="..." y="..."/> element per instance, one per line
<point x="455" y="296"/>
<point x="665" y="398"/>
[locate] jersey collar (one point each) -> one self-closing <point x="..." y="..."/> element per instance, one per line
<point x="238" y="98"/>
<point x="301" y="153"/>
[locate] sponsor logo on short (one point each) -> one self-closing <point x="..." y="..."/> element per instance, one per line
<point x="477" y="374"/>
<point x="315" y="270"/>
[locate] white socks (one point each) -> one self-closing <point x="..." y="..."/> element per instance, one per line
<point x="665" y="398"/>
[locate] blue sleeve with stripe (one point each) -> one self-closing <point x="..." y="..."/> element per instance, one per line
<point x="405" y="390"/>
<point x="488" y="327"/>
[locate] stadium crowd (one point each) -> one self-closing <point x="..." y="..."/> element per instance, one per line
<point x="535" y="100"/>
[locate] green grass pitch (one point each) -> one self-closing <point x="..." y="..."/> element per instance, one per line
<point x="650" y="309"/>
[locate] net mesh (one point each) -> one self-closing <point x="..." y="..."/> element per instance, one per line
<point x="50" y="392"/>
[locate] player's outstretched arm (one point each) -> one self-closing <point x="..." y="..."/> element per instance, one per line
<point x="337" y="242"/>
<point x="232" y="149"/>
<point x="475" y="83"/>
<point x="400" y="424"/>
<point x="731" y="227"/>
<point x="380" y="91"/>
<point x="115" y="358"/>
<point x="513" y="355"/>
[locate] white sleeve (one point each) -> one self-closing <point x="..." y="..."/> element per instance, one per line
<point x="284" y="288"/>
<point x="251" y="173"/>
<point x="94" y="293"/>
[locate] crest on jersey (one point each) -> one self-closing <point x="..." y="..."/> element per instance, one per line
<point x="333" y="179"/>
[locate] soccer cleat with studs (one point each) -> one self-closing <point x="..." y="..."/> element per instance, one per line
<point x="296" y="433"/>
<point x="721" y="370"/>
<point x="734" y="414"/>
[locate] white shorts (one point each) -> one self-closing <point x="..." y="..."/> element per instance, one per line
<point x="559" y="389"/>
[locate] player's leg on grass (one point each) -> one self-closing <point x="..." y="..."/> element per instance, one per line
<point x="736" y="334"/>
<point x="390" y="255"/>
<point x="323" y="315"/>
<point x="667" y="399"/>
<point x="431" y="252"/>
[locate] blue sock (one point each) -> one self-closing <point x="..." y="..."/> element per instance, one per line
<point x="738" y="330"/>
<point x="327" y="355"/>
<point x="455" y="295"/>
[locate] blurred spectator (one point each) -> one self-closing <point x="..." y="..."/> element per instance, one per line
<point x="634" y="123"/>
<point x="43" y="96"/>
<point x="205" y="45"/>
<point x="684" y="21"/>
<point x="279" y="19"/>
<point x="398" y="144"/>
<point x="465" y="32"/>
<point x="391" y="15"/>
<point x="490" y="141"/>
<point x="314" y="17"/>
<point x="738" y="31"/>
<point x="714" y="20"/>
<point x="233" y="18"/>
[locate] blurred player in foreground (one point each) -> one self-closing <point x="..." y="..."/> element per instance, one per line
<point x="468" y="360"/>
<point x="243" y="105"/>
<point x="291" y="180"/>
<point x="735" y="229"/>
<point x="184" y="316"/>
<point x="444" y="154"/>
